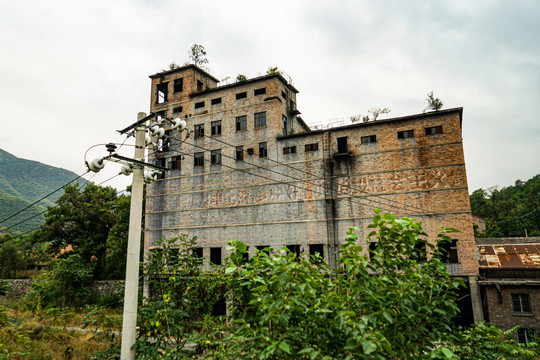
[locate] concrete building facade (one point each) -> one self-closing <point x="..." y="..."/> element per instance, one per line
<point x="250" y="169"/>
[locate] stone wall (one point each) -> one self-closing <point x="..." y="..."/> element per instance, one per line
<point x="20" y="287"/>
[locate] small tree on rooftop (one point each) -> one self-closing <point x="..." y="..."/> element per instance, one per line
<point x="432" y="102"/>
<point x="197" y="55"/>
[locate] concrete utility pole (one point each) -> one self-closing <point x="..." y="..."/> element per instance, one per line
<point x="129" y="324"/>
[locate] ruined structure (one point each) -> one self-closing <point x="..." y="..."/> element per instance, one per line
<point x="252" y="170"/>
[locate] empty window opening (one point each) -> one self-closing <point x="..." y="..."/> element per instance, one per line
<point x="264" y="248"/>
<point x="198" y="159"/>
<point x="521" y="303"/>
<point x="241" y="95"/>
<point x="219" y="308"/>
<point x="434" y="130"/>
<point x="239" y="153"/>
<point x="289" y="150"/>
<point x="175" y="162"/>
<point x="285" y="124"/>
<point x="342" y="145"/>
<point x="199" y="85"/>
<point x="241" y="123"/>
<point x="263" y="150"/>
<point x="199" y="105"/>
<point x="368" y="139"/>
<point x="260" y="119"/>
<point x="178" y="85"/>
<point x="312" y="147"/>
<point x="198" y="131"/>
<point x="215" y="255"/>
<point x="316" y="249"/>
<point x="525" y="335"/>
<point x="260" y="91"/>
<point x="407" y="134"/>
<point x="449" y="252"/>
<point x="419" y="253"/>
<point x="216" y="101"/>
<point x="295" y="249"/>
<point x="198" y="254"/>
<point x="177" y="110"/>
<point x="215" y="157"/>
<point x="283" y="95"/>
<point x="215" y="127"/>
<point x="160" y="162"/>
<point x="162" y="93"/>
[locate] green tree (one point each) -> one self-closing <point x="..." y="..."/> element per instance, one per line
<point x="433" y="103"/>
<point x="197" y="55"/>
<point x="83" y="220"/>
<point x="11" y="256"/>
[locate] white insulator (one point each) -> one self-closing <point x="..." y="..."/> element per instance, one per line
<point x="179" y="124"/>
<point x="148" y="140"/>
<point x="150" y="176"/>
<point x="126" y="169"/>
<point x="96" y="165"/>
<point x="160" y="133"/>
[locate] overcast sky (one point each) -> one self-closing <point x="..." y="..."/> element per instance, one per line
<point x="73" y="72"/>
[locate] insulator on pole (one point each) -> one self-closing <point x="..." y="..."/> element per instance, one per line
<point x="96" y="165"/>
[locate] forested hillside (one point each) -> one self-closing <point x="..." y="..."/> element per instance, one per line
<point x="21" y="183"/>
<point x="511" y="211"/>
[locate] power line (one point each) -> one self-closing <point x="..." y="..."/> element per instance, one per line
<point x="46" y="196"/>
<point x="52" y="207"/>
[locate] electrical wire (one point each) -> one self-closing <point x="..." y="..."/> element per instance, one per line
<point x="46" y="196"/>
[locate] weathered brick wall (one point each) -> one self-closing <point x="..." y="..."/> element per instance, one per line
<point x="308" y="197"/>
<point x="503" y="316"/>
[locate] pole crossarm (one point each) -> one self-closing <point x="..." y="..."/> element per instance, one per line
<point x="138" y="162"/>
<point x="134" y="125"/>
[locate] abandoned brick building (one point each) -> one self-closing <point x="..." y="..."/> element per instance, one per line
<point x="252" y="170"/>
<point x="510" y="283"/>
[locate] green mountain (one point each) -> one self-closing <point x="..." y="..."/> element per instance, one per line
<point x="23" y="182"/>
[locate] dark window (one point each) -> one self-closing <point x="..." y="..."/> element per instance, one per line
<point x="219" y="308"/>
<point x="260" y="119"/>
<point x="175" y="163"/>
<point x="260" y="91"/>
<point x="162" y="93"/>
<point x="285" y="124"/>
<point x="215" y="127"/>
<point x="283" y="95"/>
<point x="289" y="150"/>
<point x="199" y="105"/>
<point x="198" y="253"/>
<point x="215" y="157"/>
<point x="263" y="150"/>
<point x="419" y="251"/>
<point x="525" y="335"/>
<point x="241" y="95"/>
<point x="312" y="147"/>
<point x="342" y="145"/>
<point x="199" y="85"/>
<point x="239" y="153"/>
<point x="199" y="131"/>
<point x="161" y="162"/>
<point x="295" y="249"/>
<point x="407" y="134"/>
<point x="521" y="303"/>
<point x="216" y="101"/>
<point x="449" y="252"/>
<point x="316" y="249"/>
<point x="215" y="255"/>
<point x="241" y="122"/>
<point x="372" y="248"/>
<point x="178" y="85"/>
<point x="434" y="130"/>
<point x="198" y="159"/>
<point x="368" y="139"/>
<point x="177" y="110"/>
<point x="264" y="248"/>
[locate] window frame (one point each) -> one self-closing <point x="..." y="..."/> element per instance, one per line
<point x="215" y="101"/>
<point x="260" y="91"/>
<point x="199" y="105"/>
<point x="215" y="157"/>
<point x="523" y="307"/>
<point x="289" y="150"/>
<point x="259" y="119"/>
<point x="405" y="134"/>
<point x="241" y="95"/>
<point x="311" y="147"/>
<point x="342" y="144"/>
<point x="263" y="150"/>
<point x="215" y="128"/>
<point x="178" y="84"/>
<point x="370" y="139"/>
<point x="434" y="130"/>
<point x="241" y="123"/>
<point x="198" y="159"/>
<point x="198" y="131"/>
<point x="239" y="153"/>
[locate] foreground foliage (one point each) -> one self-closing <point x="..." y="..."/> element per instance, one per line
<point x="395" y="301"/>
